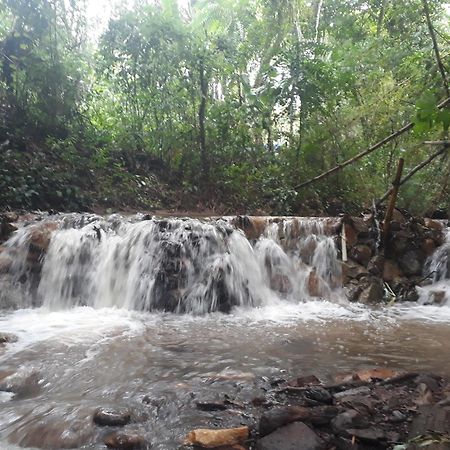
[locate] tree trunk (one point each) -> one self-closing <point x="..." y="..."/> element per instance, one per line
<point x="201" y="122"/>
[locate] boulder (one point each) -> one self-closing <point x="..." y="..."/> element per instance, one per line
<point x="40" y="235"/>
<point x="361" y="254"/>
<point x="7" y="338"/>
<point x="373" y="292"/>
<point x="376" y="265"/>
<point x="411" y="262"/>
<point x="351" y="269"/>
<point x="349" y="419"/>
<point x="278" y="417"/>
<point x="296" y="436"/>
<point x="125" y="441"/>
<point x="208" y="438"/>
<point x="391" y="271"/>
<point x="428" y="246"/>
<point x="112" y="417"/>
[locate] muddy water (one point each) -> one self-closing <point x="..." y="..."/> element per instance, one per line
<point x="68" y="363"/>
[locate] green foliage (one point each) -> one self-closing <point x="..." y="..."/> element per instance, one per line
<point x="235" y="100"/>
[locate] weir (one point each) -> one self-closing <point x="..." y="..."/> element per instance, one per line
<point x="178" y="265"/>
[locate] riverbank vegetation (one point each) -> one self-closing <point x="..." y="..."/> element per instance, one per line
<point x="226" y="105"/>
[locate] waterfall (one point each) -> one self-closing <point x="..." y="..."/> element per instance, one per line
<point x="178" y="265"/>
<point x="437" y="268"/>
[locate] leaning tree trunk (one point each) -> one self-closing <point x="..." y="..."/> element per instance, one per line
<point x="201" y="122"/>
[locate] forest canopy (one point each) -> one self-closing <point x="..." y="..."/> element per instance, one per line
<point x="222" y="104"/>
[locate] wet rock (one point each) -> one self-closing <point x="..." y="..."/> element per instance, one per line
<point x="351" y="270"/>
<point x="373" y="292"/>
<point x="23" y="384"/>
<point x="296" y="436"/>
<point x="211" y="406"/>
<point x="317" y="395"/>
<point x="376" y="265"/>
<point x="209" y="438"/>
<point x="125" y="441"/>
<point x="428" y="246"/>
<point x="7" y="338"/>
<point x="278" y="417"/>
<point x="111" y="417"/>
<point x="310" y="380"/>
<point x="41" y="234"/>
<point x="6" y="228"/>
<point x="369" y="434"/>
<point x="315" y="284"/>
<point x="391" y="271"/>
<point x="411" y="262"/>
<point x="361" y="254"/>
<point x="349" y="419"/>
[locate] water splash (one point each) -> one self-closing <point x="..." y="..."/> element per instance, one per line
<point x="179" y="265"/>
<point x="438" y="268"/>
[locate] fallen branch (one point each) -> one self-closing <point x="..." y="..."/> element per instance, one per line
<point x="412" y="172"/>
<point x="360" y="155"/>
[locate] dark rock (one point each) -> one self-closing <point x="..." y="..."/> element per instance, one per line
<point x="125" y="441"/>
<point x="111" y="417"/>
<point x="317" y="395"/>
<point x="211" y="406"/>
<point x="349" y="419"/>
<point x="376" y="265"/>
<point x="296" y="436"/>
<point x="277" y="417"/>
<point x="391" y="271"/>
<point x="373" y="293"/>
<point x="361" y="254"/>
<point x="351" y="270"/>
<point x="411" y="262"/>
<point x="369" y="434"/>
<point x="8" y="338"/>
<point x="310" y="380"/>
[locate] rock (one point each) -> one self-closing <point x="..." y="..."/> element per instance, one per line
<point x="369" y="434"/>
<point x="296" y="436"/>
<point x="433" y="224"/>
<point x="125" y="441"/>
<point x="373" y="293"/>
<point x="428" y="246"/>
<point x="317" y="395"/>
<point x="351" y="235"/>
<point x="208" y="438"/>
<point x="111" y="417"/>
<point x="361" y="254"/>
<point x="351" y="270"/>
<point x="391" y="271"/>
<point x="376" y="265"/>
<point x="315" y="284"/>
<point x="8" y="338"/>
<point x="211" y="406"/>
<point x="397" y="216"/>
<point x="411" y="262"/>
<point x="6" y="229"/>
<point x="41" y="234"/>
<point x="278" y="417"/>
<point x="349" y="419"/>
<point x="310" y="380"/>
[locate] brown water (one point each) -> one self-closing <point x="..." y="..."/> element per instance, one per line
<point x="80" y="359"/>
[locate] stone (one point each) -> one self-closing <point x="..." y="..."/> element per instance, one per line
<point x="428" y="246"/>
<point x="111" y="417"/>
<point x="391" y="271"/>
<point x="373" y="293"/>
<point x="7" y="338"/>
<point x="310" y="380"/>
<point x="369" y="434"/>
<point x="316" y="395"/>
<point x="278" y="417"/>
<point x="296" y="436"/>
<point x="211" y="406"/>
<point x="411" y="262"/>
<point x="41" y="234"/>
<point x="351" y="235"/>
<point x="125" y="441"/>
<point x="314" y="284"/>
<point x="376" y="265"/>
<point x="351" y="270"/>
<point x="361" y="254"/>
<point x="212" y="438"/>
<point x="349" y="419"/>
<point x="433" y="224"/>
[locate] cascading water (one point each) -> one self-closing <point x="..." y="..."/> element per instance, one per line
<point x="437" y="268"/>
<point x="180" y="265"/>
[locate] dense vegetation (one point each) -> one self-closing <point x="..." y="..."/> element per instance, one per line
<point x="226" y="104"/>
